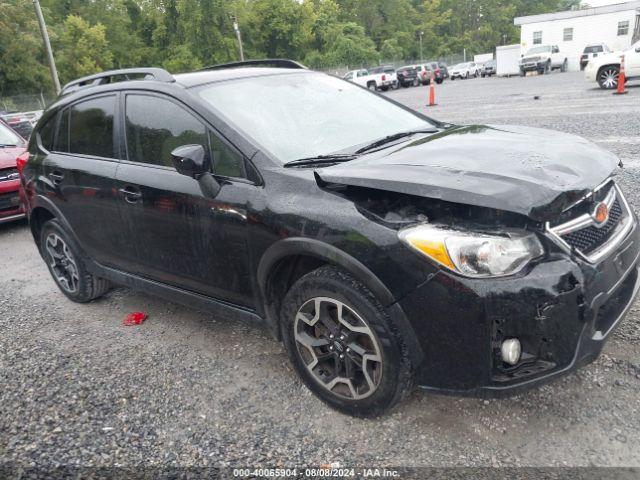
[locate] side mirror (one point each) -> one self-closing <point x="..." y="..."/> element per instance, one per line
<point x="638" y="49"/>
<point x="191" y="160"/>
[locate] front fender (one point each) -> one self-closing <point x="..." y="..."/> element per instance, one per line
<point x="323" y="251"/>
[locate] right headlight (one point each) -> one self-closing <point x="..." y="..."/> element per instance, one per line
<point x="474" y="254"/>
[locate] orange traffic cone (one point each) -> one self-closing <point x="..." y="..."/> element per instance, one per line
<point x="621" y="79"/>
<point x="432" y="91"/>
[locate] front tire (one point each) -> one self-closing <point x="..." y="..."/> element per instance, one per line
<point x="67" y="265"/>
<point x="344" y="346"/>
<point x="608" y="77"/>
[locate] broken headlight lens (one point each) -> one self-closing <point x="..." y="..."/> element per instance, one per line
<point x="474" y="254"/>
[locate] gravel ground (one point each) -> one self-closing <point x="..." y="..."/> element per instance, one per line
<point x="77" y="388"/>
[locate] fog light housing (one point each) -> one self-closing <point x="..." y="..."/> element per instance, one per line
<point x="511" y="351"/>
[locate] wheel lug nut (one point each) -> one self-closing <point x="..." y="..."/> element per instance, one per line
<point x="331" y="336"/>
<point x="348" y="350"/>
<point x="331" y="347"/>
<point x="341" y="337"/>
<point x="341" y="356"/>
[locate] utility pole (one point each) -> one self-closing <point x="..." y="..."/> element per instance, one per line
<point x="47" y="46"/>
<point x="421" y="35"/>
<point x="236" y="29"/>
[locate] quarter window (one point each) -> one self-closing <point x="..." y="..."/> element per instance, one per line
<point x="90" y="127"/>
<point x="568" y="35"/>
<point x="623" y="28"/>
<point x="156" y="126"/>
<point x="47" y="133"/>
<point x="537" y="38"/>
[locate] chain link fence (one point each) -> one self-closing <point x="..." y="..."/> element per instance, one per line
<point x="25" y="102"/>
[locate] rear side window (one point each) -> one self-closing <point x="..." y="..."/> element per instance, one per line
<point x="90" y="127"/>
<point x="156" y="126"/>
<point x="47" y="133"/>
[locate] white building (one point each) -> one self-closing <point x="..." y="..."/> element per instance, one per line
<point x="617" y="25"/>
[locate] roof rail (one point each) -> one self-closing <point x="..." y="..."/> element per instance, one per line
<point x="267" y="62"/>
<point x="158" y="74"/>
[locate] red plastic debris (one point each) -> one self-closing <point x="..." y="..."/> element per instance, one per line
<point x="135" y="318"/>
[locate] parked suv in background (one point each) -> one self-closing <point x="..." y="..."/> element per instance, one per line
<point x="383" y="248"/>
<point x="605" y="69"/>
<point x="407" y="76"/>
<point x="464" y="70"/>
<point x="592" y="51"/>
<point x="13" y="155"/>
<point x="488" y="68"/>
<point x="543" y="60"/>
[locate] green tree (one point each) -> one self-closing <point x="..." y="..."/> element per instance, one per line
<point x="22" y="61"/>
<point x="82" y="49"/>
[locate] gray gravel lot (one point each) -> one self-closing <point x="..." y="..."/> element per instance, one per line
<point x="79" y="388"/>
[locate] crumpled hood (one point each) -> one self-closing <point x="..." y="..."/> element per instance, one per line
<point x="530" y="171"/>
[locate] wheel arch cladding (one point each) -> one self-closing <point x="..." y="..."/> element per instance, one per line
<point x="37" y="218"/>
<point x="289" y="259"/>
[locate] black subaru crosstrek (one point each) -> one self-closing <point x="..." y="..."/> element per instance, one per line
<point x="383" y="248"/>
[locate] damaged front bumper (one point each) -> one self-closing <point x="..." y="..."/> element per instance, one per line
<point x="562" y="311"/>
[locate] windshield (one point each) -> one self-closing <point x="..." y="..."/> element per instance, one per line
<point x="461" y="65"/>
<point x="304" y="115"/>
<point x="7" y="137"/>
<point x="539" y="50"/>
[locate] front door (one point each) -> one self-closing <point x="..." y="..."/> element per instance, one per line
<point x="632" y="61"/>
<point x="177" y="234"/>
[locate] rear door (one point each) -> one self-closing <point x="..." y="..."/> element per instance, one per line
<point x="176" y="234"/>
<point x="80" y="171"/>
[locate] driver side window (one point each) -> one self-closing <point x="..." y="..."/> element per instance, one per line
<point x="155" y="127"/>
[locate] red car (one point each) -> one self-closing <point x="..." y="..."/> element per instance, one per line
<point x="13" y="156"/>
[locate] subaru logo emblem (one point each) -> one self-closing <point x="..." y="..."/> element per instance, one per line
<point x="601" y="213"/>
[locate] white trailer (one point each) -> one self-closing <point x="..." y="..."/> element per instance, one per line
<point x="508" y="60"/>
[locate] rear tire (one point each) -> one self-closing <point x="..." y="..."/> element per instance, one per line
<point x="67" y="265"/>
<point x="372" y="86"/>
<point x="342" y="343"/>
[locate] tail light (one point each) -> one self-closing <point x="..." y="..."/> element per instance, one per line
<point x="21" y="162"/>
<point x="384" y="77"/>
<point x="437" y="71"/>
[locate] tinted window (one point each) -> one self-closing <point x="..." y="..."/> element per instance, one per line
<point x="156" y="126"/>
<point x="91" y="127"/>
<point x="47" y="133"/>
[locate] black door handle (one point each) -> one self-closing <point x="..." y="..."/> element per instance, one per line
<point x="131" y="194"/>
<point x="56" y="176"/>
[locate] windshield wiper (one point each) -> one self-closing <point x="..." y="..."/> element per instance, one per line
<point x="320" y="159"/>
<point x="395" y="136"/>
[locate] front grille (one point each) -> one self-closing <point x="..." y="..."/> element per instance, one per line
<point x="577" y="230"/>
<point x="7" y="174"/>
<point x="590" y="238"/>
<point x="9" y="201"/>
